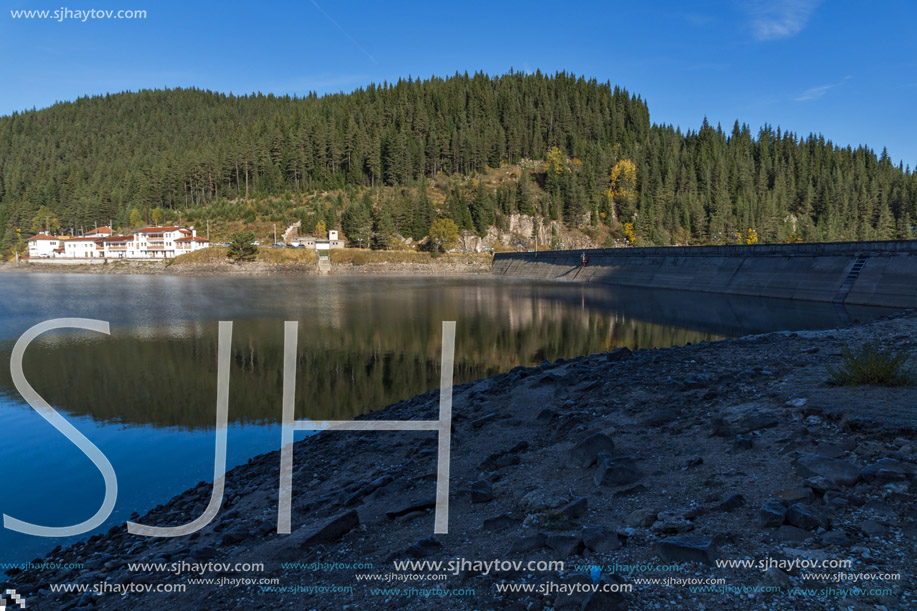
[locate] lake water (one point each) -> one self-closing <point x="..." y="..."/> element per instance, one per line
<point x="145" y="395"/>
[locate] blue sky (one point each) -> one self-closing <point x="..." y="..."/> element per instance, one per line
<point x="839" y="68"/>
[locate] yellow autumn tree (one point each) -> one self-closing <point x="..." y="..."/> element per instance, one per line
<point x="751" y="237"/>
<point x="320" y="230"/>
<point x="555" y="160"/>
<point x="623" y="189"/>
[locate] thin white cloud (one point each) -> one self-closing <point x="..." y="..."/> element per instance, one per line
<point x="344" y="32"/>
<point x="813" y="93"/>
<point x="775" y="19"/>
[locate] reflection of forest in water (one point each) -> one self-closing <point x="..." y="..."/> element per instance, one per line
<point x="363" y="360"/>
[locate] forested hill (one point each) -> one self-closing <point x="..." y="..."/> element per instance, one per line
<point x="597" y="163"/>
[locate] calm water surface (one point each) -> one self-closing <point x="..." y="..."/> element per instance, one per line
<point x="145" y="395"/>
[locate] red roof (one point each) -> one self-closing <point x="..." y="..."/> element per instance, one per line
<point x="192" y="239"/>
<point x="119" y="238"/>
<point x="100" y="230"/>
<point x="157" y="229"/>
<point x="42" y="236"/>
<point x="83" y="239"/>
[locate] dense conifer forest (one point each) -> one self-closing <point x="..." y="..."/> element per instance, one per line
<point x="392" y="158"/>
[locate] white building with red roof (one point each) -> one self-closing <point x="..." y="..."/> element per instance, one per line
<point x="42" y="245"/>
<point x="165" y="242"/>
<point x="100" y="232"/>
<point x="102" y="243"/>
<point x="83" y="248"/>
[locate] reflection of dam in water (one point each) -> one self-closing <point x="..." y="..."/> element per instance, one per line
<point x="731" y="315"/>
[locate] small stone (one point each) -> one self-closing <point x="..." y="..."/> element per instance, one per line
<point x="421" y="505"/>
<point x="742" y="442"/>
<point x="235" y="535"/>
<point x="483" y="420"/>
<point x="792" y="496"/>
<point x="831" y="450"/>
<point x="640" y="518"/>
<point x="333" y="529"/>
<point x="600" y="540"/>
<point x="618" y="471"/>
<point x="203" y="553"/>
<point x="482" y="491"/>
<point x="836" y="537"/>
<point x="670" y="522"/>
<point x="694" y="462"/>
<point x="686" y="548"/>
<point x="871" y="528"/>
<point x="793" y="534"/>
<point x="564" y="545"/>
<point x="771" y="514"/>
<point x="775" y="577"/>
<point x="545" y="416"/>
<point x="585" y="453"/>
<point x="754" y="422"/>
<point x="424" y="548"/>
<point x="501" y="522"/>
<point x="575" y="509"/>
<point x="620" y="354"/>
<point x="660" y="417"/>
<point x="889" y="470"/>
<point x="730" y="504"/>
<point x="805" y="516"/>
<point x="821" y="485"/>
<point x="839" y="471"/>
<point x="528" y="544"/>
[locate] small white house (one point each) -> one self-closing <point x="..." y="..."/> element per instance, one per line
<point x="315" y="243"/>
<point x="42" y="246"/>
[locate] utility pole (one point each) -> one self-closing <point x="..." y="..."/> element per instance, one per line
<point x="275" y="233"/>
<point x="208" y="230"/>
<point x="18" y="243"/>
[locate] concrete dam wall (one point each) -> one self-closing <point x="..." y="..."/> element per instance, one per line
<point x="861" y="273"/>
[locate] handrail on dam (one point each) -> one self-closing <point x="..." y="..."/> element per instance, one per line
<point x="882" y="273"/>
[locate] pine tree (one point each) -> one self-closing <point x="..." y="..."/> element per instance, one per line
<point x="383" y="230"/>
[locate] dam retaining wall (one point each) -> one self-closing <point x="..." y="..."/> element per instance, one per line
<point x="861" y="273"/>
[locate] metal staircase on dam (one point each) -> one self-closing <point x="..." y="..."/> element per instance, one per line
<point x="851" y="278"/>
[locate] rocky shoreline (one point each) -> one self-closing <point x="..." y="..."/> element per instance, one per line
<point x="251" y="269"/>
<point x="617" y="464"/>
